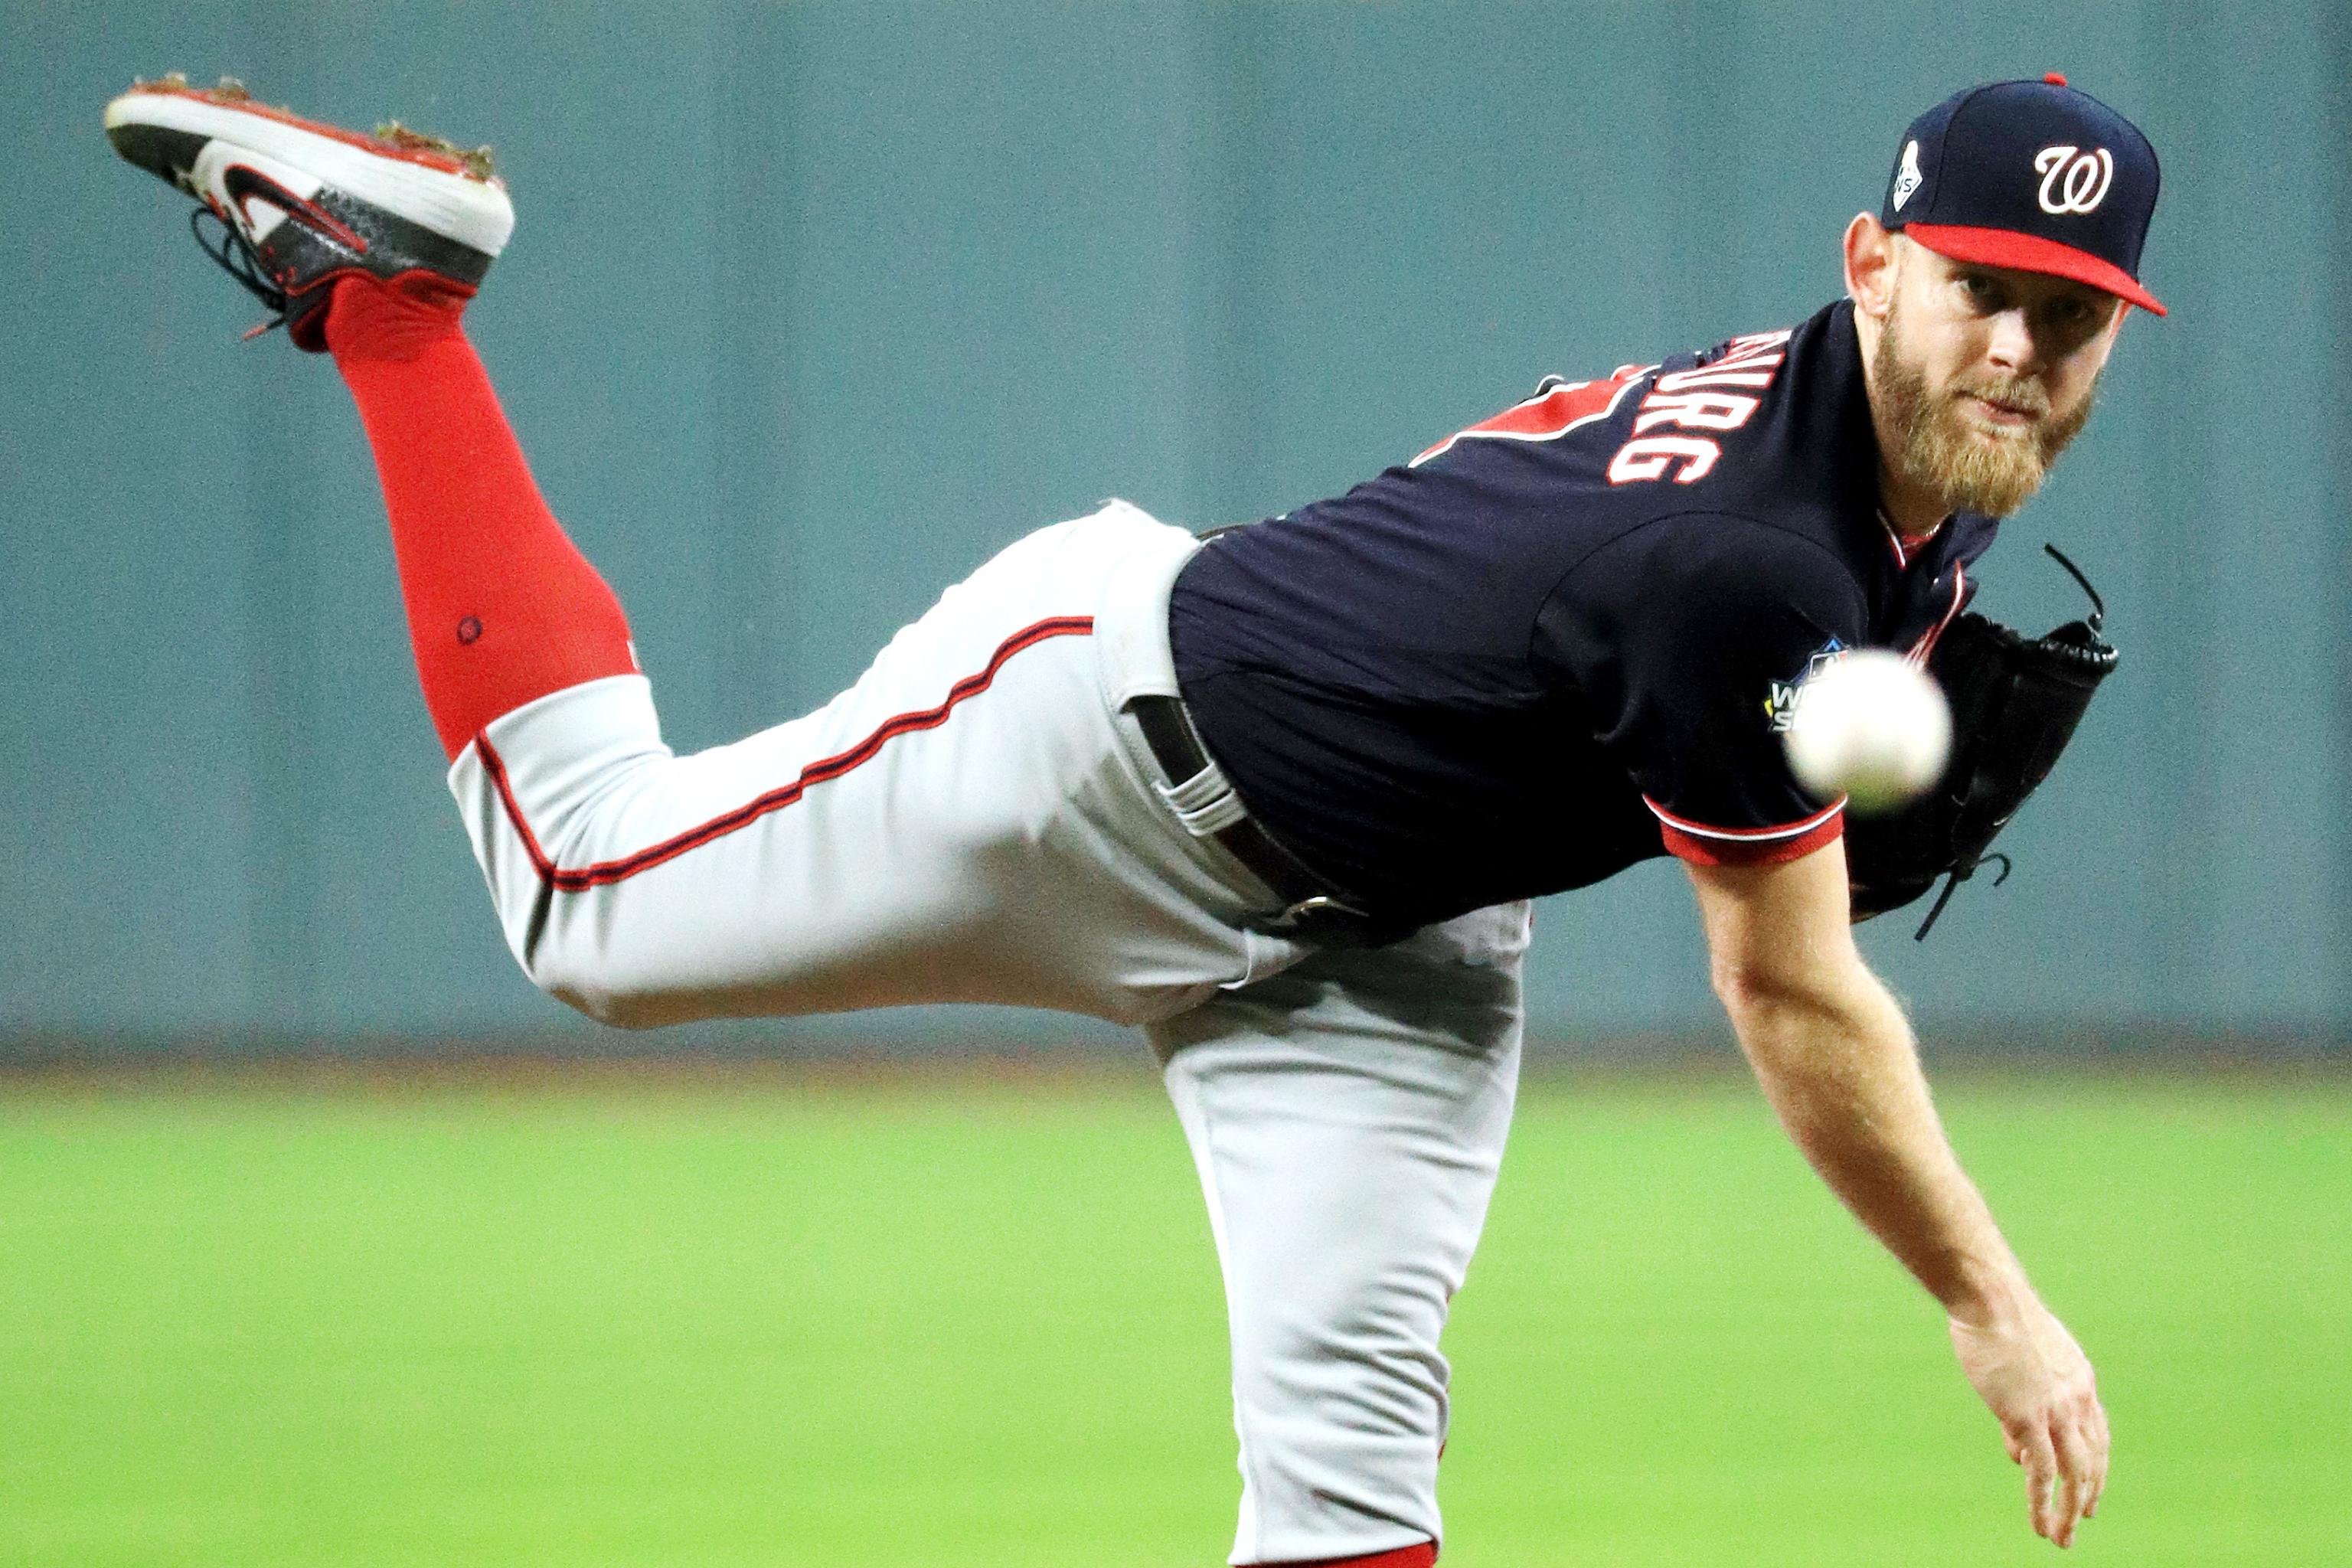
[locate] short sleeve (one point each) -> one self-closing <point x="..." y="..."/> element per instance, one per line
<point x="1691" y="638"/>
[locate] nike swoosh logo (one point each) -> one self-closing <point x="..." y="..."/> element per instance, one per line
<point x="244" y="182"/>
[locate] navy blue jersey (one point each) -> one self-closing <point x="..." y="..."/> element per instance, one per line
<point x="1567" y="638"/>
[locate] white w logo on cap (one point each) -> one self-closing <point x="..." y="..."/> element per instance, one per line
<point x="2074" y="181"/>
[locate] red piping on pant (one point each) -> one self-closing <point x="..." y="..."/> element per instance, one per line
<point x="573" y="879"/>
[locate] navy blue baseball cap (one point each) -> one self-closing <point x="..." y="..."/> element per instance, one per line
<point x="2032" y="174"/>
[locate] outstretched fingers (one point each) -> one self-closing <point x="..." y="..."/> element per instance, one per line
<point x="2079" y="1471"/>
<point x="2100" y="1437"/>
<point x="2065" y="1462"/>
<point x="2032" y="1449"/>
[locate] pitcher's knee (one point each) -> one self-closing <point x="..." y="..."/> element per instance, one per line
<point x="619" y="1006"/>
<point x="590" y="972"/>
<point x="581" y="989"/>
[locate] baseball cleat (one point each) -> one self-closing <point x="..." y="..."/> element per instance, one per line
<point x="300" y="204"/>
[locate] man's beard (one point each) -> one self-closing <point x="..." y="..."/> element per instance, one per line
<point x="1946" y="452"/>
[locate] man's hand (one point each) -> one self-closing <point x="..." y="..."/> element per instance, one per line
<point x="2039" y="1385"/>
<point x="1834" y="1057"/>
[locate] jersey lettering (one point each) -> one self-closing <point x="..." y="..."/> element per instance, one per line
<point x="1693" y="399"/>
<point x="1693" y="411"/>
<point x="1649" y="457"/>
<point x="1684" y="400"/>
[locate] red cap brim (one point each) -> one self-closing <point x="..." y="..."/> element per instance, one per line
<point x="2032" y="253"/>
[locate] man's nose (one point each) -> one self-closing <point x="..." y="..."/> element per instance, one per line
<point x="2012" y="347"/>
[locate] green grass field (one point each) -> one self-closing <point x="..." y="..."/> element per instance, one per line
<point x="746" y="1322"/>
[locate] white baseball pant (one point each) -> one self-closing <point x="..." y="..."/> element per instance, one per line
<point x="978" y="820"/>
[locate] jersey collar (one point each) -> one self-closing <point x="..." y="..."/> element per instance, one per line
<point x="1907" y="551"/>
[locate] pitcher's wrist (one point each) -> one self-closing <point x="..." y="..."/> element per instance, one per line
<point x="1987" y="1293"/>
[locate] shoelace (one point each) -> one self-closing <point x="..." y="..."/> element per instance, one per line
<point x="234" y="254"/>
<point x="1951" y="884"/>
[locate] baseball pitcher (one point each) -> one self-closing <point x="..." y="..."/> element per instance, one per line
<point x="1280" y="795"/>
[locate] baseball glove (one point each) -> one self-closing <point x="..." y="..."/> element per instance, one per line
<point x="2015" y="703"/>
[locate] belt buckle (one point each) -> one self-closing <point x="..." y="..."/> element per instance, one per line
<point x="1334" y="922"/>
<point x="1319" y="903"/>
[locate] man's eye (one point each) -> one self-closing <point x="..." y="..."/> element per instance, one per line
<point x="1980" y="290"/>
<point x="2069" y="315"/>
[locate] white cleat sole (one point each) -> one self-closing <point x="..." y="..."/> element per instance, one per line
<point x="429" y="190"/>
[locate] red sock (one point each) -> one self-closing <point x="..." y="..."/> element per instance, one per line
<point x="1421" y="1557"/>
<point x="501" y="608"/>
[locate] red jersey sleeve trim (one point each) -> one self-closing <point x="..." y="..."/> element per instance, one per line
<point x="1703" y="846"/>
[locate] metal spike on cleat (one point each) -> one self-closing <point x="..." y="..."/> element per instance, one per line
<point x="477" y="160"/>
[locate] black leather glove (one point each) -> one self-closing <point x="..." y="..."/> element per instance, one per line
<point x="2015" y="703"/>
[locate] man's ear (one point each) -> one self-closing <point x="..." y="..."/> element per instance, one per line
<point x="1870" y="266"/>
<point x="2115" y="327"/>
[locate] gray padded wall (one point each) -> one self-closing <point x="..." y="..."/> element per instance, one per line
<point x="811" y="307"/>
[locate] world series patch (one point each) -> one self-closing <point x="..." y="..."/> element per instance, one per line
<point x="1785" y="697"/>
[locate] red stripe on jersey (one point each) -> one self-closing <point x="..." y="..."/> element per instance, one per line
<point x="1925" y="648"/>
<point x="1547" y="415"/>
<point x="573" y="879"/>
<point x="1709" y="846"/>
<point x="1748" y="851"/>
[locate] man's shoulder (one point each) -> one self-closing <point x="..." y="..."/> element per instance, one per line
<point x="1755" y="428"/>
<point x="1762" y="450"/>
<point x="1758" y="421"/>
<point x="1699" y="559"/>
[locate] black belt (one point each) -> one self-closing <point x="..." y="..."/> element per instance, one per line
<point x="1313" y="912"/>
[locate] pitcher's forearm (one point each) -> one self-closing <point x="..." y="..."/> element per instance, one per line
<point x="1835" y="1058"/>
<point x="1841" y="1074"/>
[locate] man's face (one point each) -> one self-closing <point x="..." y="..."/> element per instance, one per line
<point x="1985" y="374"/>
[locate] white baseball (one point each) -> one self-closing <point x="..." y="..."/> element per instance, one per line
<point x="1871" y="727"/>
